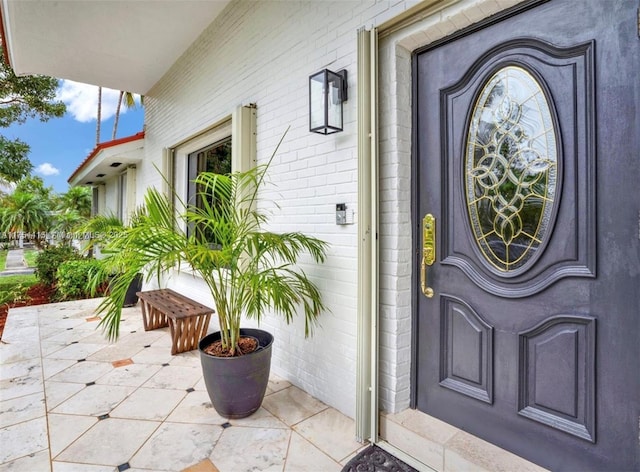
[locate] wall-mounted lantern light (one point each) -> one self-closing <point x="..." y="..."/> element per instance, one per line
<point x="327" y="92"/>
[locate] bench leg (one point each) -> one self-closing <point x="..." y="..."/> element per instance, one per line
<point x="186" y="333"/>
<point x="152" y="317"/>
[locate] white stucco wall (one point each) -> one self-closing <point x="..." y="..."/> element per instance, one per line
<point x="263" y="53"/>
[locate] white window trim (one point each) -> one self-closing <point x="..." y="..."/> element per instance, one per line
<point x="241" y="126"/>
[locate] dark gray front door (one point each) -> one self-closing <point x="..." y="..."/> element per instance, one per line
<point x="527" y="139"/>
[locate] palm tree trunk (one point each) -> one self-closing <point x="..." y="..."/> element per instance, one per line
<point x="117" y="117"/>
<point x="99" y="115"/>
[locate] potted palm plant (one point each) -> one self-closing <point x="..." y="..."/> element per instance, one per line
<point x="249" y="271"/>
<point x="101" y="229"/>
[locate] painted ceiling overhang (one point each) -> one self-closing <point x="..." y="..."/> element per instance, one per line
<point x="109" y="159"/>
<point x="116" y="44"/>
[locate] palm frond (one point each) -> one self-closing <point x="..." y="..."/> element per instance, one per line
<point x="249" y="271"/>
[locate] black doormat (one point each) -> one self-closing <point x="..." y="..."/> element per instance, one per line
<point x="374" y="459"/>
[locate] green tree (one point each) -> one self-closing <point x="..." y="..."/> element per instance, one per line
<point x="35" y="185"/>
<point x="14" y="163"/>
<point x="99" y="117"/>
<point x="76" y="199"/>
<point x="66" y="222"/>
<point x="21" y="98"/>
<point x="128" y="98"/>
<point x="24" y="212"/>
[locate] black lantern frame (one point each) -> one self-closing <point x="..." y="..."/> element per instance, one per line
<point x="327" y="93"/>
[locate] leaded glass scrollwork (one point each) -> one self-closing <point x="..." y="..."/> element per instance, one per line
<point x="511" y="168"/>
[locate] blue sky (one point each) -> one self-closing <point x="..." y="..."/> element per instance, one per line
<point x="59" y="145"/>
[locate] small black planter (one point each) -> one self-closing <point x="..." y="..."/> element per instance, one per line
<point x="236" y="385"/>
<point x="135" y="286"/>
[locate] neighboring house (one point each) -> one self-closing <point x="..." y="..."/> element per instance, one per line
<point x="110" y="169"/>
<point x="513" y="314"/>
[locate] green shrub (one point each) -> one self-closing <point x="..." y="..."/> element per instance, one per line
<point x="50" y="259"/>
<point x="74" y="278"/>
<point x="13" y="294"/>
<point x="14" y="288"/>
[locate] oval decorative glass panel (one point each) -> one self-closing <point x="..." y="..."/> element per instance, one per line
<point x="511" y="168"/>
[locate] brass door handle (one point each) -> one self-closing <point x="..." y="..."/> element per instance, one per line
<point x="428" y="251"/>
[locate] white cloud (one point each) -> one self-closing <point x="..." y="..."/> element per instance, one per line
<point x="82" y="101"/>
<point x="47" y="169"/>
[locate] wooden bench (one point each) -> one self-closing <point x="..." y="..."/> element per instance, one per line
<point x="187" y="319"/>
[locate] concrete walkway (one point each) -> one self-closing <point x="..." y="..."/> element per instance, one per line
<point x="72" y="402"/>
<point x="15" y="264"/>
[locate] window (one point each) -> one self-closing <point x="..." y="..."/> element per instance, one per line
<point x="214" y="158"/>
<point x="122" y="196"/>
<point x="226" y="146"/>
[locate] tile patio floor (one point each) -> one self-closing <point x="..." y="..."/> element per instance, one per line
<point x="72" y="402"/>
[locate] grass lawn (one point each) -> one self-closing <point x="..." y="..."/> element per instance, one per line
<point x="3" y="258"/>
<point x="13" y="280"/>
<point x="13" y="287"/>
<point x="30" y="256"/>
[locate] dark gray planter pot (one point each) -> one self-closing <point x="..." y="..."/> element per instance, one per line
<point x="236" y="385"/>
<point x="135" y="286"/>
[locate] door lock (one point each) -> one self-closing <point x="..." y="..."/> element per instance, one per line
<point x="428" y="251"/>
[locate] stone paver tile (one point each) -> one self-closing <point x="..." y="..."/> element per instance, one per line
<point x="136" y="469"/>
<point x="47" y="332"/>
<point x="202" y="466"/>
<point x="190" y="359"/>
<point x="33" y="462"/>
<point x="95" y="337"/>
<point x="177" y="377"/>
<point x="149" y="404"/>
<point x="49" y="347"/>
<point x="427" y="451"/>
<point x="140" y="337"/>
<point x="51" y="367"/>
<point x="132" y="375"/>
<point x="67" y="336"/>
<point x="60" y="323"/>
<point x="21" y="386"/>
<point x="122" y="363"/>
<point x="466" y="452"/>
<point x="16" y="352"/>
<point x="276" y="384"/>
<point x="200" y="385"/>
<point x="76" y="351"/>
<point x="196" y="408"/>
<point x="21" y="335"/>
<point x="153" y="355"/>
<point x="23" y="439"/>
<point x="332" y="432"/>
<point x="23" y="318"/>
<point x="109" y="442"/>
<point x="21" y="409"/>
<point x="83" y="372"/>
<point x="247" y="449"/>
<point x="20" y="369"/>
<point x="292" y="405"/>
<point x="260" y="419"/>
<point x="115" y="352"/>
<point x="305" y="457"/>
<point x="164" y="341"/>
<point x="94" y="400"/>
<point x="64" y="429"/>
<point x="176" y="446"/>
<point x="57" y="392"/>
<point x="71" y="467"/>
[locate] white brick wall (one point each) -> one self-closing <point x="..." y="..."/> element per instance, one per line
<point x="263" y="53"/>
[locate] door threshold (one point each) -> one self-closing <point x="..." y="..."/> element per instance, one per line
<point x="431" y="444"/>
